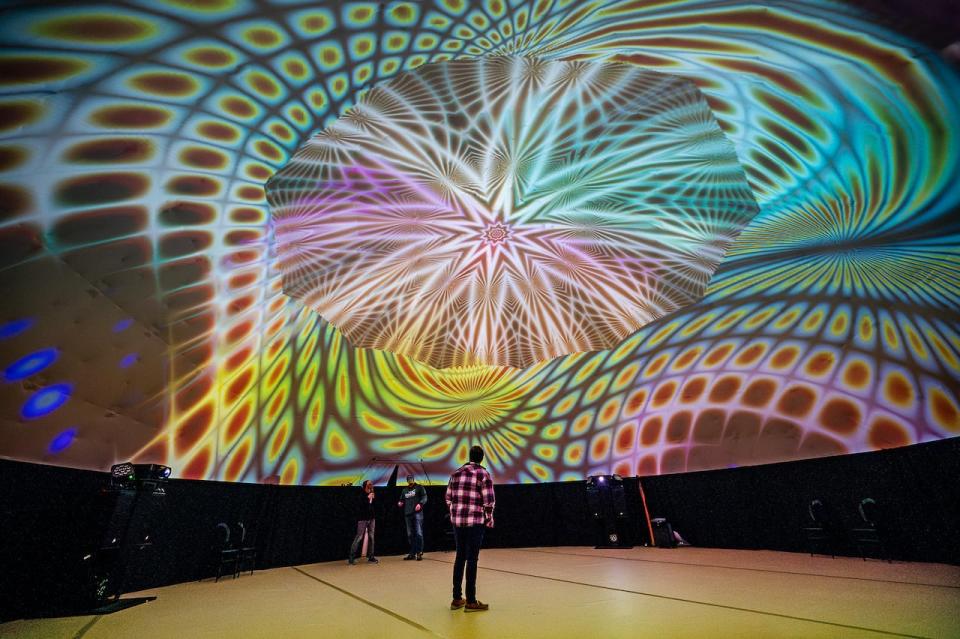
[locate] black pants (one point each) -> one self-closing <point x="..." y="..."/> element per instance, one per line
<point x="469" y="539"/>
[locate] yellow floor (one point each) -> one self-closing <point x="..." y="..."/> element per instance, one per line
<point x="553" y="593"/>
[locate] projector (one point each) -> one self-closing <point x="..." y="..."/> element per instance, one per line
<point x="144" y="476"/>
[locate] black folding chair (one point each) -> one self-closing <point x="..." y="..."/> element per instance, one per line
<point x="819" y="530"/>
<point x="227" y="553"/>
<point x="248" y="550"/>
<point x="870" y="532"/>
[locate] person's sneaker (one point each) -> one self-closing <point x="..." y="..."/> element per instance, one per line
<point x="373" y="560"/>
<point x="351" y="561"/>
<point x="457" y="604"/>
<point x="476" y="606"/>
<point x="409" y="557"/>
<point x="420" y="556"/>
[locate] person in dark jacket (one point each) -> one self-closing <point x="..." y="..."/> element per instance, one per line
<point x="366" y="523"/>
<point x="412" y="500"/>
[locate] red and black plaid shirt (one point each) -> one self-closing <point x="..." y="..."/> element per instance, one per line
<point x="470" y="496"/>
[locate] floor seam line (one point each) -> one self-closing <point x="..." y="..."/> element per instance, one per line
<point x="770" y="570"/>
<point x="700" y="603"/>
<point x="85" y="629"/>
<point x="387" y="611"/>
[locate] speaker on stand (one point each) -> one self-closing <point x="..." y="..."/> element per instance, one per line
<point x="128" y="510"/>
<point x="608" y="505"/>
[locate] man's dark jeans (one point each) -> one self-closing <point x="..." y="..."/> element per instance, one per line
<point x="415" y="532"/>
<point x="469" y="539"/>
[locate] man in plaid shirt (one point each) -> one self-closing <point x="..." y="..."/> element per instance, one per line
<point x="470" y="501"/>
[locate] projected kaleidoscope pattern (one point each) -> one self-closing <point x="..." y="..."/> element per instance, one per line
<point x="136" y="243"/>
<point x="505" y="211"/>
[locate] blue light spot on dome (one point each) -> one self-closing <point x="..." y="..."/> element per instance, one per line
<point x="15" y="327"/>
<point x="122" y="325"/>
<point x="129" y="360"/>
<point x="31" y="364"/>
<point x="63" y="440"/>
<point x="46" y="400"/>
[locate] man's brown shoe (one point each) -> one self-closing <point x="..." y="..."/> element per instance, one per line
<point x="457" y="604"/>
<point x="476" y="606"/>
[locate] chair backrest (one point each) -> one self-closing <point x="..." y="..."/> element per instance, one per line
<point x="869" y="510"/>
<point x="817" y="512"/>
<point x="223" y="534"/>
<point x="243" y="531"/>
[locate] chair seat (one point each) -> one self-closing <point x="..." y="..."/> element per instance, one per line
<point x="228" y="557"/>
<point x="247" y="554"/>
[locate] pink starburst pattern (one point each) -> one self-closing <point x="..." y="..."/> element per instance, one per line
<point x="506" y="211"/>
<point x="496" y="233"/>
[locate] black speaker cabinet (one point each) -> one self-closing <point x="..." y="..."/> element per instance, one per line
<point x="663" y="534"/>
<point x="114" y="508"/>
<point x="608" y="505"/>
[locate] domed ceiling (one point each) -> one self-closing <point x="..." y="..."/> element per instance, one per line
<point x="733" y="240"/>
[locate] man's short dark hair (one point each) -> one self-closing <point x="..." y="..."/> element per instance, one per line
<point x="476" y="454"/>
